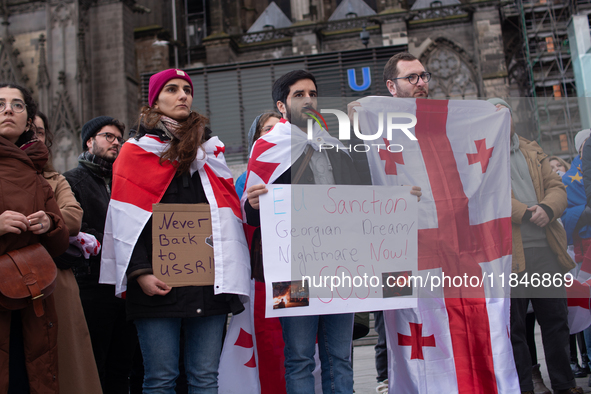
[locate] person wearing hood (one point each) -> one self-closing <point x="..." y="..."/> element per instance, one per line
<point x="558" y="165"/>
<point x="538" y="198"/>
<point x="261" y="125"/>
<point x="29" y="215"/>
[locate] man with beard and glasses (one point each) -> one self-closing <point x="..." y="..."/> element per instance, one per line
<point x="295" y="96"/>
<point x="113" y="338"/>
<point x="405" y="76"/>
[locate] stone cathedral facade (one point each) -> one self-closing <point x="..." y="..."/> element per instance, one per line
<point x="78" y="60"/>
<point x="84" y="58"/>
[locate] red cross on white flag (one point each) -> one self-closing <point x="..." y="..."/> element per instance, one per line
<point x="456" y="340"/>
<point x="238" y="370"/>
<point x="416" y="340"/>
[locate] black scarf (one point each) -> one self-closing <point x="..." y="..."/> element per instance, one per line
<point x="96" y="164"/>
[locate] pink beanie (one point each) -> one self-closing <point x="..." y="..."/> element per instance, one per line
<point x="157" y="82"/>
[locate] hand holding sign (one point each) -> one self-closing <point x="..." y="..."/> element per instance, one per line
<point x="253" y="194"/>
<point x="152" y="286"/>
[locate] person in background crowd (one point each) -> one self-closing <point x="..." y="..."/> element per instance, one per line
<point x="539" y="246"/>
<point x="577" y="220"/>
<point x="558" y="165"/>
<point x="77" y="369"/>
<point x="261" y="125"/>
<point x="114" y="340"/>
<point x="29" y="215"/>
<point x="561" y="167"/>
<point x="158" y="310"/>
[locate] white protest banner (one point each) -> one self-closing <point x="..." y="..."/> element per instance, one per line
<point x="334" y="248"/>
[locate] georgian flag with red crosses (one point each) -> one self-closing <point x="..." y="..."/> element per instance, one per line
<point x="259" y="359"/>
<point x="275" y="152"/>
<point x="139" y="180"/>
<point x="457" y="339"/>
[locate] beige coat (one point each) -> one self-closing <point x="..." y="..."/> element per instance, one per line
<point x="550" y="191"/>
<point x="77" y="370"/>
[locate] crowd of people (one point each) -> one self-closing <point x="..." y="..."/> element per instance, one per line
<point x="164" y="339"/>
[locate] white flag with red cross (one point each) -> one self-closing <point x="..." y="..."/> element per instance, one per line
<point x="140" y="180"/>
<point x="252" y="360"/>
<point x="457" y="339"/>
<point x="238" y="371"/>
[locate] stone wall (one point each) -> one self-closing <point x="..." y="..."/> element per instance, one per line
<point x="114" y="85"/>
<point x="489" y="41"/>
<point x="27" y="45"/>
<point x="420" y="37"/>
<point x="150" y="57"/>
<point x="265" y="52"/>
<point x="133" y="97"/>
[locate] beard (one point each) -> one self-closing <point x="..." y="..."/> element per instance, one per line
<point x="105" y="154"/>
<point x="298" y="118"/>
<point x="409" y="94"/>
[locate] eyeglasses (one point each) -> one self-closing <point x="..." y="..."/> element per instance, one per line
<point x="414" y="78"/>
<point x="110" y="137"/>
<point x="17" y="106"/>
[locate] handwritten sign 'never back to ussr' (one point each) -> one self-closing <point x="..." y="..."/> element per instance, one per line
<point x="182" y="244"/>
<point x="335" y="248"/>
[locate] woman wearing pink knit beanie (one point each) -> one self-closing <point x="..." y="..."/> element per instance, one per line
<point x="173" y="159"/>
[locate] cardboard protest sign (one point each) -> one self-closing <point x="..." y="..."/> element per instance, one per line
<point x="182" y="244"/>
<point x="335" y="249"/>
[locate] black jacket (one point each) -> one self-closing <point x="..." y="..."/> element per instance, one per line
<point x="189" y="301"/>
<point x="93" y="194"/>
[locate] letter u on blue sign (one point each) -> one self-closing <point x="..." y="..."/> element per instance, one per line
<point x="353" y="80"/>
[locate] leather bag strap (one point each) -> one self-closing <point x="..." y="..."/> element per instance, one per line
<point x="29" y="279"/>
<point x="305" y="161"/>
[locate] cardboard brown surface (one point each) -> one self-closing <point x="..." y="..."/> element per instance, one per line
<point x="182" y="244"/>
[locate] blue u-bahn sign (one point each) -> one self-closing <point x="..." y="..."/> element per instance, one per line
<point x="365" y="77"/>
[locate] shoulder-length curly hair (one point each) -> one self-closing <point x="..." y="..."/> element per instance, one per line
<point x="183" y="149"/>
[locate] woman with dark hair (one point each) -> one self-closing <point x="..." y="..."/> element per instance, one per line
<point x="77" y="369"/>
<point x="29" y="215"/>
<point x="180" y="163"/>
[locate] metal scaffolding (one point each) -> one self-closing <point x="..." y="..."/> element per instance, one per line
<point x="546" y="58"/>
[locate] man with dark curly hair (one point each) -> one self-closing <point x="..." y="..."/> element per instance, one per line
<point x="113" y="338"/>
